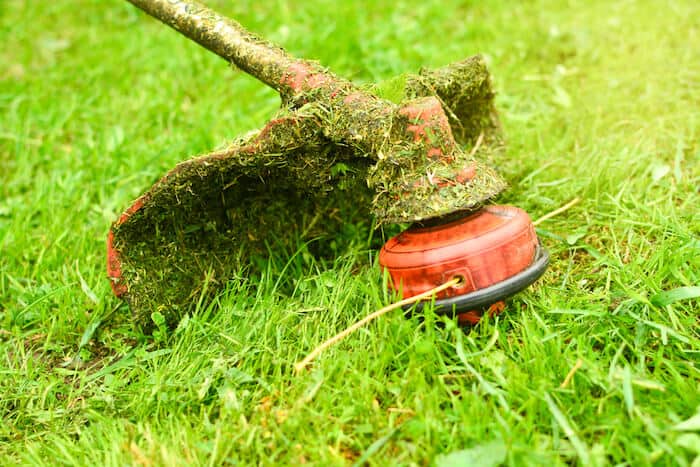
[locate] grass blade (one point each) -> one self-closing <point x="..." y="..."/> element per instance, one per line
<point x="674" y="295"/>
<point x="563" y="422"/>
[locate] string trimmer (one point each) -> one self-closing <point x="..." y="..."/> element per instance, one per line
<point x="334" y="153"/>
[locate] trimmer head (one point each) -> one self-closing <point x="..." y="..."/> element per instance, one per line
<point x="494" y="252"/>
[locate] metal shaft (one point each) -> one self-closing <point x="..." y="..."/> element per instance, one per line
<point x="223" y="36"/>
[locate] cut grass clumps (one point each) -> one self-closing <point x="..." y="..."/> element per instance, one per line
<point x="333" y="152"/>
<point x="466" y="92"/>
<point x="206" y="218"/>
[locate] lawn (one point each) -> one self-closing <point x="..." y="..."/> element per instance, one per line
<point x="595" y="364"/>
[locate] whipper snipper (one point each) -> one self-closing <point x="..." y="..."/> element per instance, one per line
<point x="334" y="154"/>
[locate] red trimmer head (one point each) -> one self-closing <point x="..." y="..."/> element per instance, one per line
<point x="494" y="252"/>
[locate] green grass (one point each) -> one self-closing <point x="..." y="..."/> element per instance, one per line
<point x="599" y="100"/>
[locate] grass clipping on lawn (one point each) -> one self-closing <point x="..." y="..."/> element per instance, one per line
<point x="332" y="155"/>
